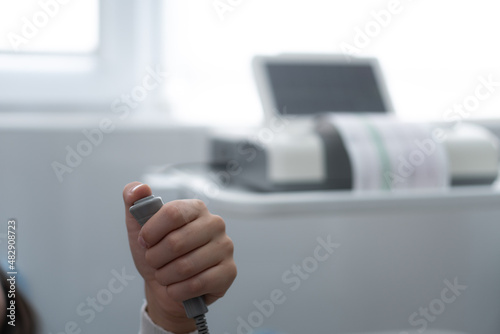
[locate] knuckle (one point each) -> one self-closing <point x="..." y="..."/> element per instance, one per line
<point x="233" y="271"/>
<point x="173" y="212"/>
<point x="195" y="286"/>
<point x="229" y="245"/>
<point x="230" y="273"/>
<point x="218" y="223"/>
<point x="184" y="267"/>
<point x="225" y="245"/>
<point x="173" y="243"/>
<point x="199" y="204"/>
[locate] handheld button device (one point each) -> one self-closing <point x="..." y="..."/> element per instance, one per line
<point x="144" y="209"/>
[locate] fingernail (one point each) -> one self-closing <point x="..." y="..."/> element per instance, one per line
<point x="134" y="188"/>
<point x="142" y="242"/>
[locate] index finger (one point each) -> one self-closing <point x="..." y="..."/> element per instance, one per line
<point x="172" y="216"/>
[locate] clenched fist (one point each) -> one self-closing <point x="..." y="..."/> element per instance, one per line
<point x="181" y="252"/>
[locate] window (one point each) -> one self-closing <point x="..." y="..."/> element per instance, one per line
<point x="74" y="55"/>
<point x="434" y="54"/>
<point x="49" y="26"/>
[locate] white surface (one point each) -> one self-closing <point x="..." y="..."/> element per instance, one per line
<point x="234" y="199"/>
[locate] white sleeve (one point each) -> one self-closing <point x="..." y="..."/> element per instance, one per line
<point x="149" y="327"/>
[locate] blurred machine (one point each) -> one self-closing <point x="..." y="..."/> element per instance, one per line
<point x="329" y="124"/>
<point x="347" y="152"/>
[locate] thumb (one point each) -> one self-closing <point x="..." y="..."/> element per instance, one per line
<point x="133" y="192"/>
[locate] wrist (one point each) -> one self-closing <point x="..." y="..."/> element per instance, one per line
<point x="174" y="323"/>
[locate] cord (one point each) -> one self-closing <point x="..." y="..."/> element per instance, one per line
<point x="201" y="324"/>
<point x="195" y="308"/>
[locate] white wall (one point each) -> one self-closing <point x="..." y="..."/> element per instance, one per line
<point x="71" y="234"/>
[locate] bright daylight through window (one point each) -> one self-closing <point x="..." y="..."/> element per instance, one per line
<point x="432" y="59"/>
<point x="49" y="26"/>
<point x="432" y="66"/>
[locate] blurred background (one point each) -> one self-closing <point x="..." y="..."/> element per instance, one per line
<point x="145" y="81"/>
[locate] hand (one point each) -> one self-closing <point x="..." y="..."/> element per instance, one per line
<point x="181" y="252"/>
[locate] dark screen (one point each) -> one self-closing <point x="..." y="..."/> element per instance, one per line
<point x="300" y="89"/>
